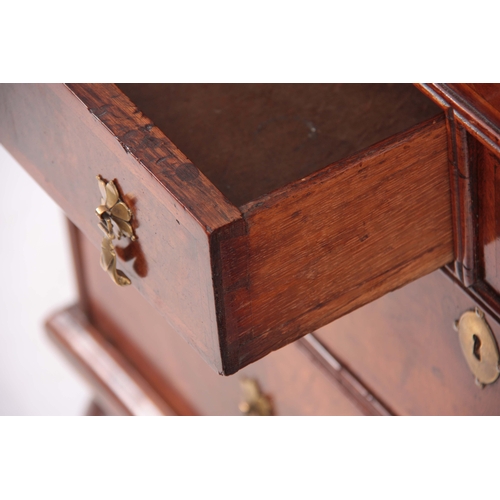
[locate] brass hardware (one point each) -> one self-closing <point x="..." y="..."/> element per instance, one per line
<point x="254" y="402"/>
<point x="114" y="221"/>
<point x="478" y="346"/>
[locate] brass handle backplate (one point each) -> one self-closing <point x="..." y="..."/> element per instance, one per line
<point x="254" y="402"/>
<point x="114" y="221"/>
<point x="478" y="346"/>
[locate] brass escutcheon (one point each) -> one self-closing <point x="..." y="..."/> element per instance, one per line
<point x="114" y="221"/>
<point x="254" y="402"/>
<point x="478" y="346"/>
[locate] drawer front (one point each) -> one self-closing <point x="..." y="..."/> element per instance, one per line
<point x="64" y="144"/>
<point x="238" y="283"/>
<point x="288" y="379"/>
<point x="473" y="118"/>
<point x="405" y="349"/>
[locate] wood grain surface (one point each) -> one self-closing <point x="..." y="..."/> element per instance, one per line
<point x="488" y="212"/>
<point x="473" y="120"/>
<point x="320" y="245"/>
<point x="475" y="106"/>
<point x="321" y="356"/>
<point x="465" y="194"/>
<point x="462" y="118"/>
<point x="294" y="384"/>
<point x="403" y="348"/>
<point x="323" y="246"/>
<point x="119" y="388"/>
<point x="64" y="142"/>
<point x="240" y="283"/>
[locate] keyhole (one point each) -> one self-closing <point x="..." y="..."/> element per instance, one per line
<point x="476" y="347"/>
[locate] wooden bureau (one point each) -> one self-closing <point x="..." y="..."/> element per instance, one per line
<point x="313" y="243"/>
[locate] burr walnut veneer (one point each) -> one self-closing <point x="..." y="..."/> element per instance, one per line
<point x="263" y="213"/>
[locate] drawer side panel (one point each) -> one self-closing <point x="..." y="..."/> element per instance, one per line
<point x="347" y="235"/>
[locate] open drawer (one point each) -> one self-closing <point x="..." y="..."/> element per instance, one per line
<point x="262" y="212"/>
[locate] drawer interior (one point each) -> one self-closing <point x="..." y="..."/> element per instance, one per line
<point x="250" y="139"/>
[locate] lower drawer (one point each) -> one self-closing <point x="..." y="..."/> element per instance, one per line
<point x="290" y="381"/>
<point x="404" y="347"/>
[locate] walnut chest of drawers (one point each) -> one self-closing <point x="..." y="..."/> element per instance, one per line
<point x="314" y="244"/>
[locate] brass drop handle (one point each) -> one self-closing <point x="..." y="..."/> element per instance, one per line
<point x="114" y="221"/>
<point x="478" y="346"/>
<point x="254" y="402"/>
